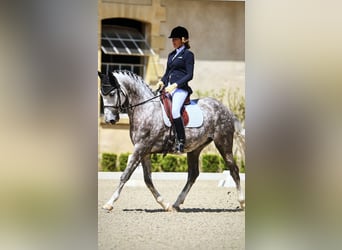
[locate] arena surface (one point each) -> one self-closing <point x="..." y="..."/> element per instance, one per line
<point x="209" y="218"/>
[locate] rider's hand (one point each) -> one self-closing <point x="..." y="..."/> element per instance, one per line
<point x="159" y="85"/>
<point x="171" y="88"/>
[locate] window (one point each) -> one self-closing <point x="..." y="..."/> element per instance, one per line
<point x="118" y="40"/>
<point x="124" y="47"/>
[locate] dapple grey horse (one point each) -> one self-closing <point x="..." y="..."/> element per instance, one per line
<point x="125" y="91"/>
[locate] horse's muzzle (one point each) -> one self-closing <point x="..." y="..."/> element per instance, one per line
<point x="111" y="117"/>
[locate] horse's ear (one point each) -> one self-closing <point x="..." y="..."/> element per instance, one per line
<point x="113" y="81"/>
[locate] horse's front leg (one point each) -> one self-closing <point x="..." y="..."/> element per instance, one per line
<point x="131" y="166"/>
<point x="146" y="163"/>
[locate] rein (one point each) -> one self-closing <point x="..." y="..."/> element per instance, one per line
<point x="121" y="108"/>
<point x="141" y="103"/>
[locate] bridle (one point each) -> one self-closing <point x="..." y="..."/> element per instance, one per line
<point x="121" y="106"/>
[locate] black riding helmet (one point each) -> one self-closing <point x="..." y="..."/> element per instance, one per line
<point x="179" y="32"/>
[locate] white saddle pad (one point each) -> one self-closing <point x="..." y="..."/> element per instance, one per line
<point x="194" y="112"/>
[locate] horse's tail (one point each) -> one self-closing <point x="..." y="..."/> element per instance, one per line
<point x="237" y="126"/>
<point x="239" y="137"/>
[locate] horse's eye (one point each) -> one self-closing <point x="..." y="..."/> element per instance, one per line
<point x="111" y="93"/>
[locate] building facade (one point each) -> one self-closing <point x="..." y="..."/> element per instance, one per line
<point x="132" y="34"/>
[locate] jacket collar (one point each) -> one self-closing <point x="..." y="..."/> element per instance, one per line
<point x="173" y="57"/>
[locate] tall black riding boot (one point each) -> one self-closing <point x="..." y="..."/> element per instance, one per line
<point x="180" y="134"/>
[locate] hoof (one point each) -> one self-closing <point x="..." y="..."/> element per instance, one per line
<point x="107" y="207"/>
<point x="168" y="207"/>
<point x="176" y="208"/>
<point x="242" y="205"/>
<point x="173" y="209"/>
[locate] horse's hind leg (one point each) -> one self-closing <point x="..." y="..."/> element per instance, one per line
<point x="193" y="172"/>
<point x="225" y="150"/>
<point x="146" y="163"/>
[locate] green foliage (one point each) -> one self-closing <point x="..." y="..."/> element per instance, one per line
<point x="211" y="163"/>
<point x="123" y="158"/>
<point x="183" y="164"/>
<point x="169" y="163"/>
<point x="156" y="162"/>
<point x="172" y="163"/>
<point x="108" y="162"/>
<point x="215" y="163"/>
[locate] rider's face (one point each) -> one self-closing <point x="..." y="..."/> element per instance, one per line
<point x="177" y="42"/>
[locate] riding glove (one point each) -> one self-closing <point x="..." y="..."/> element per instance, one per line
<point x="159" y="85"/>
<point x="171" y="87"/>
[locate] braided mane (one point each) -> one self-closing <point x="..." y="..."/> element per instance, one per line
<point x="133" y="76"/>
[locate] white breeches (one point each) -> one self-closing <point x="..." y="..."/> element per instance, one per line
<point x="178" y="98"/>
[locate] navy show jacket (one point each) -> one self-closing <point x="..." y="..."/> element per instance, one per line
<point x="180" y="70"/>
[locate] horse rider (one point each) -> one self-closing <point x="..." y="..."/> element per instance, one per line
<point x="179" y="71"/>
